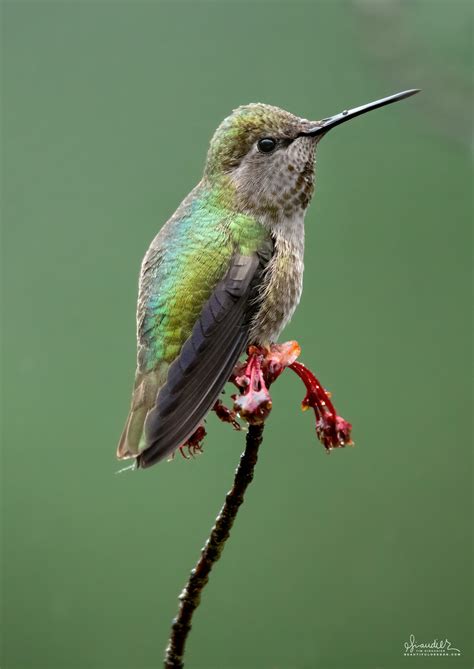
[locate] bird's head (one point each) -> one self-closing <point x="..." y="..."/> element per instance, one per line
<point x="266" y="155"/>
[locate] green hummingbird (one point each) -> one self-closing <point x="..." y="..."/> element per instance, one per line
<point x="224" y="272"/>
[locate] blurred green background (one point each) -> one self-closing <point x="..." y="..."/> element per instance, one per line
<point x="334" y="561"/>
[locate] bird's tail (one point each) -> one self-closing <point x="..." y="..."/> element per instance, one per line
<point x="132" y="441"/>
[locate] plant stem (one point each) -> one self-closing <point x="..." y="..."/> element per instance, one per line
<point x="191" y="595"/>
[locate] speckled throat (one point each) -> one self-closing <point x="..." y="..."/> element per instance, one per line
<point x="282" y="210"/>
<point x="291" y="189"/>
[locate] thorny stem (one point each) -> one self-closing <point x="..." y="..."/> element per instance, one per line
<point x="191" y="595"/>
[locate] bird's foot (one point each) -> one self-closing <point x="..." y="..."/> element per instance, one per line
<point x="193" y="444"/>
<point x="226" y="415"/>
<point x="262" y="367"/>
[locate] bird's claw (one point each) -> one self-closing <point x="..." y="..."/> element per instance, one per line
<point x="226" y="415"/>
<point x="193" y="444"/>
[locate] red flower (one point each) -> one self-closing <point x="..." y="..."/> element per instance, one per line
<point x="332" y="430"/>
<point x="262" y="368"/>
<point x="254" y="377"/>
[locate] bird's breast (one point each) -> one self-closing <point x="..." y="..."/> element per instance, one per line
<point x="282" y="285"/>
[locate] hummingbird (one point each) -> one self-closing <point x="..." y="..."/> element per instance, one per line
<point x="224" y="272"/>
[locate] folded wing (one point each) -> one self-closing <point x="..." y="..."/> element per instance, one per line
<point x="197" y="376"/>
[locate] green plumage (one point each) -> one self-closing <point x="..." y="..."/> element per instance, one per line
<point x="226" y="270"/>
<point x="182" y="267"/>
<point x="233" y="212"/>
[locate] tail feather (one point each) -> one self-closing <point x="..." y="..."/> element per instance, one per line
<point x="132" y="441"/>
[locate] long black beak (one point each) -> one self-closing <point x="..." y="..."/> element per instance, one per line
<point x="327" y="124"/>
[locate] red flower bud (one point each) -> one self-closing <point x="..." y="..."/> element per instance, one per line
<point x="332" y="430"/>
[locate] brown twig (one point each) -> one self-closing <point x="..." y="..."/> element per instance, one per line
<point x="191" y="595"/>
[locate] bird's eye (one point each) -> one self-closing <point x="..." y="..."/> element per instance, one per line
<point x="266" y="145"/>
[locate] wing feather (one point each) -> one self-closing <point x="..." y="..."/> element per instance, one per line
<point x="206" y="360"/>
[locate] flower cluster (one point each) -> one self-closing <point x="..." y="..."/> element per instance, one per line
<point x="253" y="403"/>
<point x="263" y="366"/>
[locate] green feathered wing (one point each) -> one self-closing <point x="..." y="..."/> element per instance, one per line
<point x="199" y="287"/>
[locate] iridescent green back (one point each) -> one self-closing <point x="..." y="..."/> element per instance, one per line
<point x="183" y="265"/>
